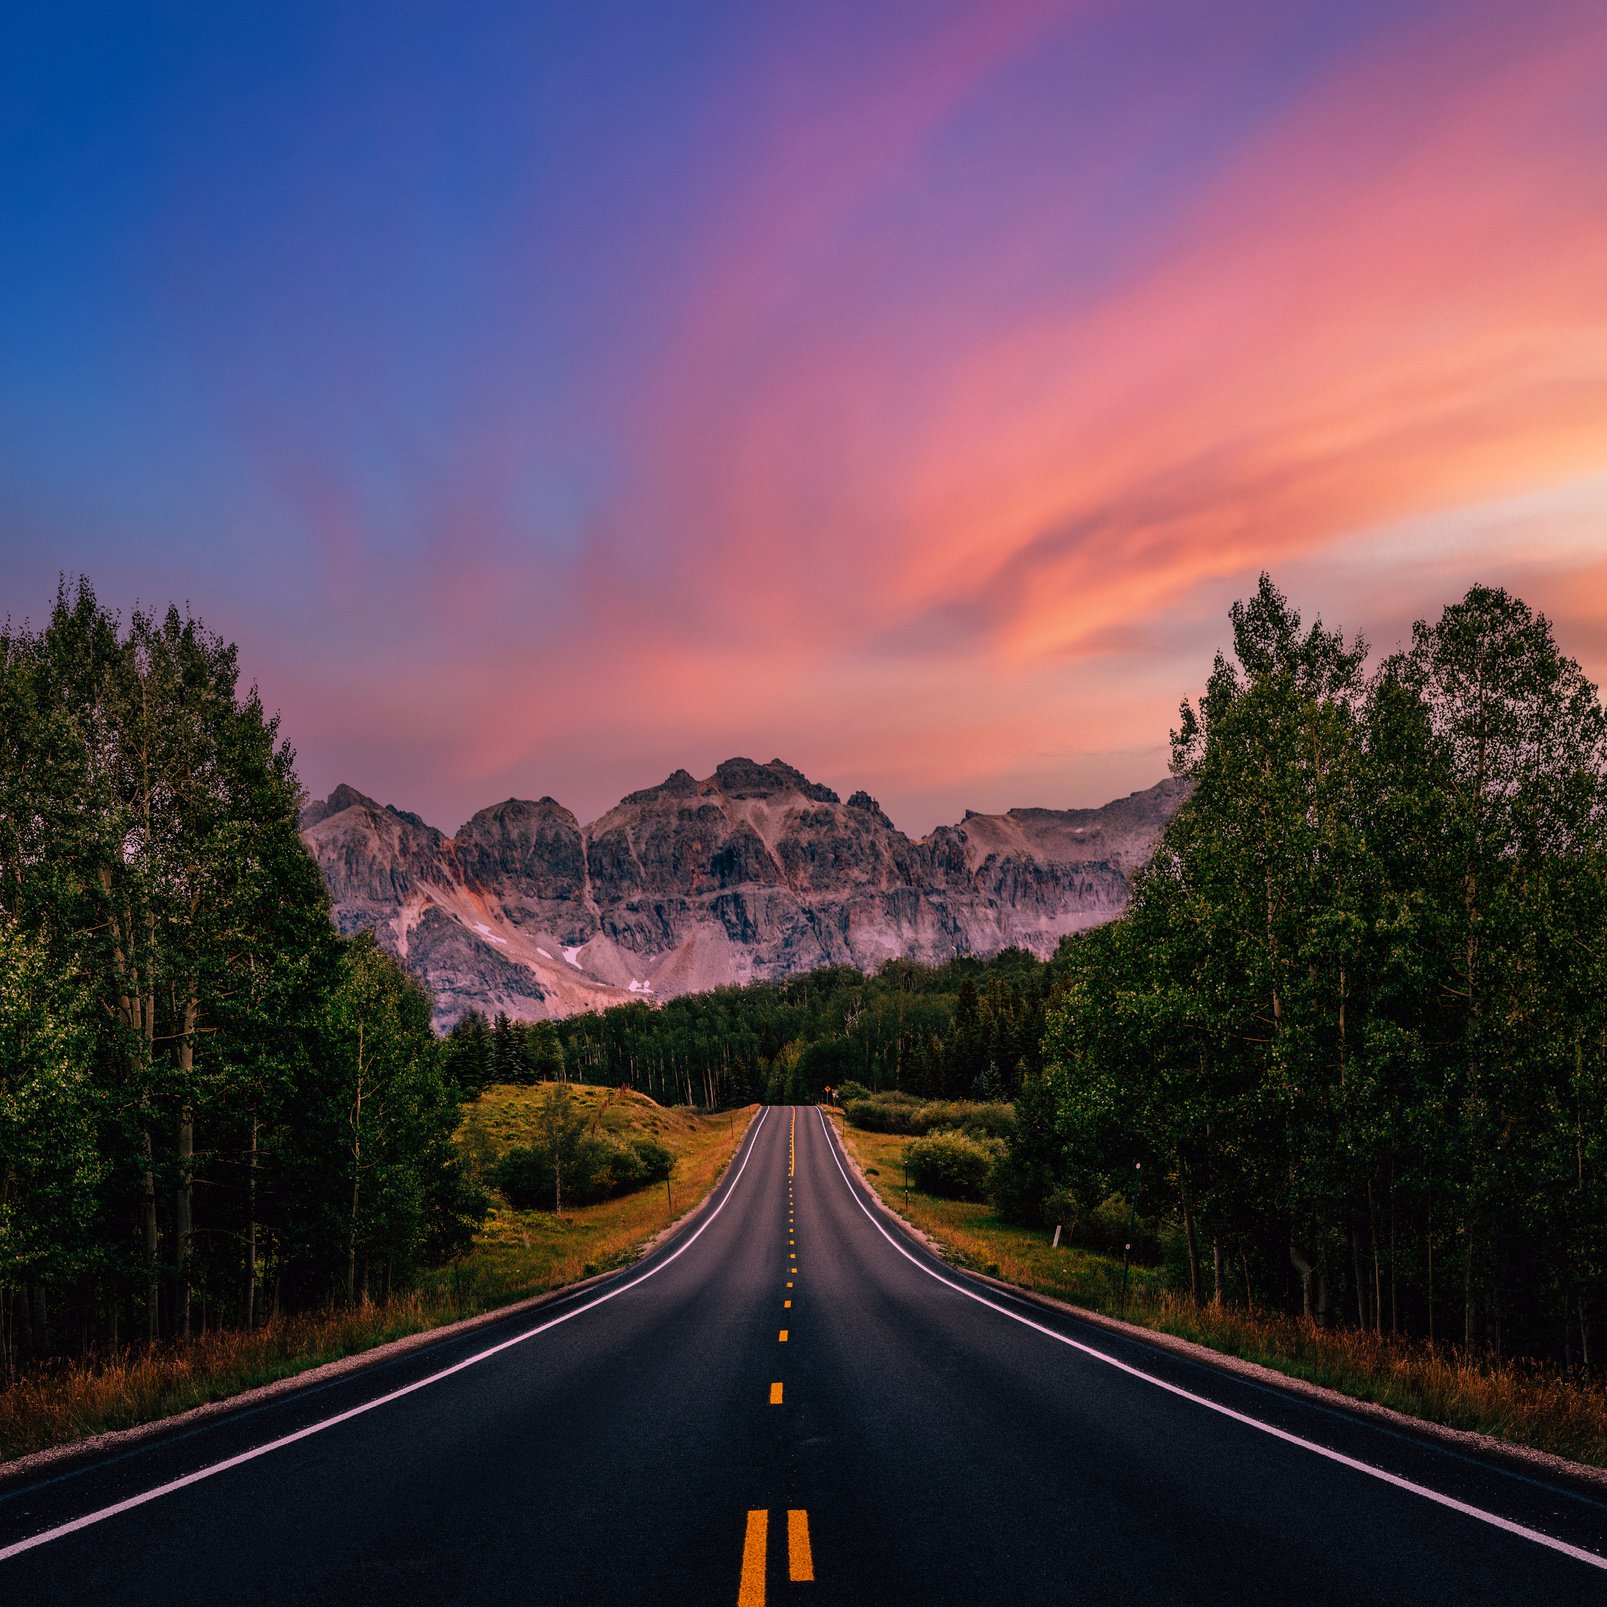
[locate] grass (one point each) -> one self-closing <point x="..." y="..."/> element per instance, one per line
<point x="1521" y="1405"/>
<point x="517" y="1254"/>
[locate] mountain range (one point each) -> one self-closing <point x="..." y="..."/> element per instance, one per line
<point x="753" y="872"/>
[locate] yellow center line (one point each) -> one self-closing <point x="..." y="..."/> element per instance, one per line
<point x="783" y="1336"/>
<point x="789" y="1284"/>
<point x="775" y="1394"/>
<point x="800" y="1559"/>
<point x="750" y="1593"/>
<point x="787" y="1302"/>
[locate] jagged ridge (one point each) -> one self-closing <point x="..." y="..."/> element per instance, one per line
<point x="755" y="871"/>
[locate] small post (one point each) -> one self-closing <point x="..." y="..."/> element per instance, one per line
<point x="906" y="1178"/>
<point x="669" y="1198"/>
<point x="1054" y="1243"/>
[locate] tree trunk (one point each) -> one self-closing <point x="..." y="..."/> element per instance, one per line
<point x="251" y="1229"/>
<point x="1193" y="1247"/>
<point x="357" y="1176"/>
<point x="1428" y="1239"/>
<point x="184" y="1193"/>
<point x="1305" y="1269"/>
<point x="153" y="1282"/>
<point x="182" y="1200"/>
<point x="1216" y="1272"/>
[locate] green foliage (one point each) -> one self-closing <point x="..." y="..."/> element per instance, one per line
<point x="947" y="1031"/>
<point x="1351" y="1033"/>
<point x="901" y="1113"/>
<point x="572" y="1162"/>
<point x="953" y="1164"/>
<point x="178" y="1059"/>
<point x="50" y="1167"/>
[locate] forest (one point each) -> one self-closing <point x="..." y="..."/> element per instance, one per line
<point x="969" y="1029"/>
<point x="212" y="1108"/>
<point x="1352" y="1034"/>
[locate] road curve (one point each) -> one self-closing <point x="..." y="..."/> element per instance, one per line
<point x="898" y="1432"/>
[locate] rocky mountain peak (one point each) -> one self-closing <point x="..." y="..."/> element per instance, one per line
<point x="743" y="778"/>
<point x="678" y="784"/>
<point x="756" y="871"/>
<point x="343" y="797"/>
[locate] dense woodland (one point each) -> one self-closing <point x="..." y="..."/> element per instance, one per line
<point x="1353" y="1032"/>
<point x="211" y="1107"/>
<point x="968" y="1029"/>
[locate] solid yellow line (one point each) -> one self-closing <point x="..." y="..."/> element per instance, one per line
<point x="783" y="1336"/>
<point x="775" y="1394"/>
<point x="750" y="1593"/>
<point x="800" y="1559"/>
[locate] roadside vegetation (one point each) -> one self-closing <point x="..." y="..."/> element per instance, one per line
<point x="1521" y="1402"/>
<point x="515" y="1254"/>
<point x="1345" y="1057"/>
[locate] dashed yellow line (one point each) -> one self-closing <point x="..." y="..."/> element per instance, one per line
<point x="800" y="1559"/>
<point x="783" y="1336"/>
<point x="750" y="1593"/>
<point x="787" y="1303"/>
<point x="775" y="1394"/>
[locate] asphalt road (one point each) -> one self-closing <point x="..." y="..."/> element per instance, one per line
<point x="897" y="1434"/>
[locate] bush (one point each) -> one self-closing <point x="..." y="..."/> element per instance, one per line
<point x="657" y="1159"/>
<point x="954" y="1165"/>
<point x="851" y="1090"/>
<point x="902" y="1113"/>
<point x="594" y="1169"/>
<point x="877" y="1115"/>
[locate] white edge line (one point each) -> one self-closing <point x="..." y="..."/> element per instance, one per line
<point x="1578" y="1553"/>
<point x="100" y="1515"/>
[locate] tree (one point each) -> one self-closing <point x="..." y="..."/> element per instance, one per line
<point x="49" y="1167"/>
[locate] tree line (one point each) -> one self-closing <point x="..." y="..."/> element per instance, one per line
<point x="967" y="1029"/>
<point x="212" y="1107"/>
<point x="1353" y="1031"/>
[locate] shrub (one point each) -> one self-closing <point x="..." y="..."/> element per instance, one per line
<point x="851" y="1090"/>
<point x="902" y="1113"/>
<point x="594" y="1169"/>
<point x="954" y="1165"/>
<point x="658" y="1160"/>
<point x="878" y="1115"/>
<point x="995" y="1120"/>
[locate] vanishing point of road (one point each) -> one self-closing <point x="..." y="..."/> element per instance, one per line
<point x="791" y="1402"/>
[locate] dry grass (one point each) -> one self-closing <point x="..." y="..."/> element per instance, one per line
<point x="517" y="1254"/>
<point x="1522" y="1405"/>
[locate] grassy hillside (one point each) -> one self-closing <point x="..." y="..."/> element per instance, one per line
<point x="520" y="1253"/>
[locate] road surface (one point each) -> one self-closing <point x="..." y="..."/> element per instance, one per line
<point x="792" y="1403"/>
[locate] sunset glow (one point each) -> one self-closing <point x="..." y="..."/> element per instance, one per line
<point x="902" y="390"/>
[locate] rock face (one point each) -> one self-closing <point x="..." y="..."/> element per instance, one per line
<point x="754" y="872"/>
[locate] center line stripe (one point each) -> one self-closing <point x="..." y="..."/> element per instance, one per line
<point x="1495" y="1520"/>
<point x="750" y="1592"/>
<point x="800" y="1559"/>
<point x="775" y="1394"/>
<point x="99" y="1516"/>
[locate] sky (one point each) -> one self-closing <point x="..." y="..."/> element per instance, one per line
<point x="546" y="397"/>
